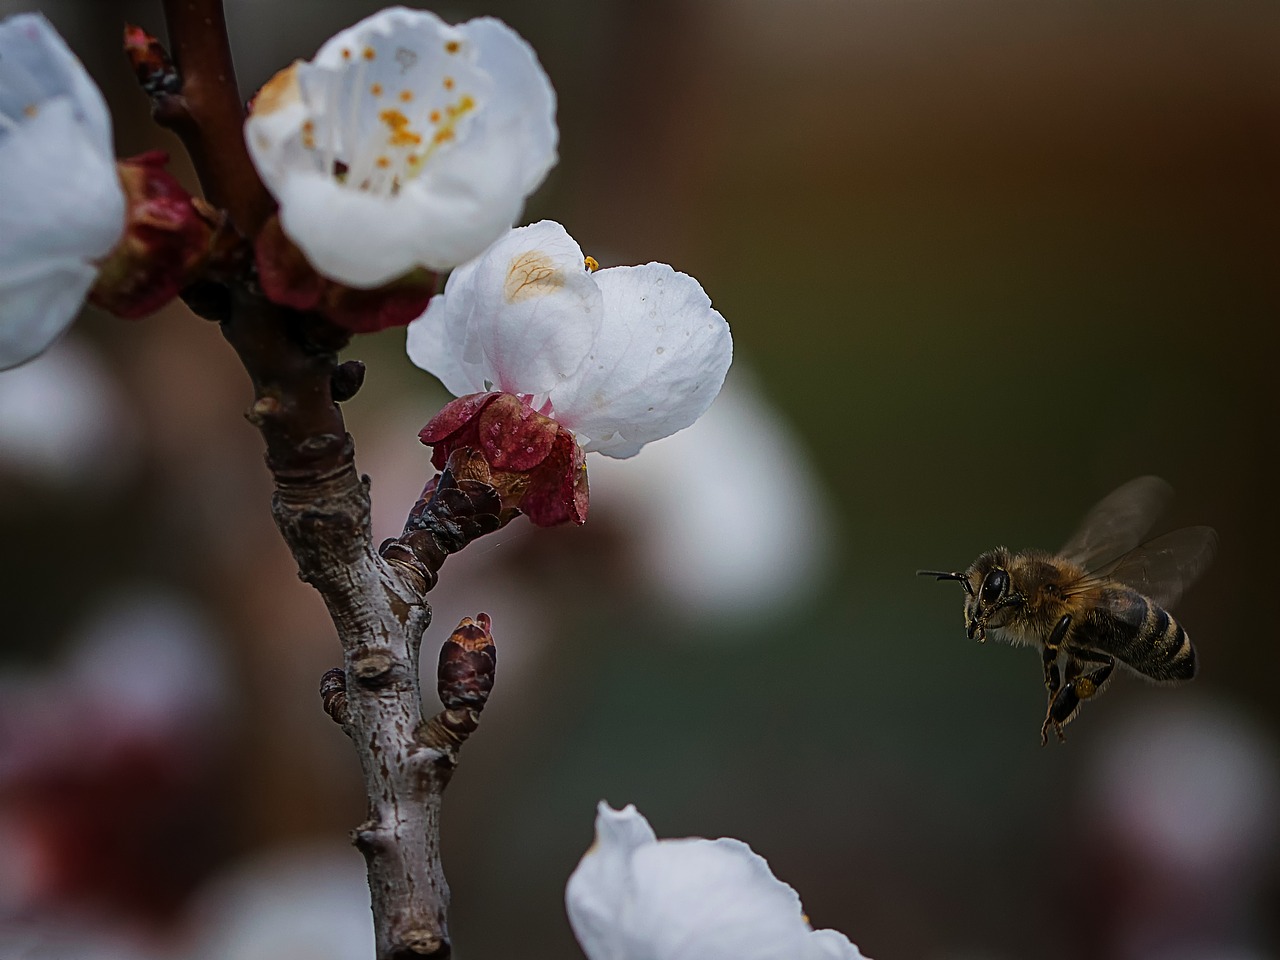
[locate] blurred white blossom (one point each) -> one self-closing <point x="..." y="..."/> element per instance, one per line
<point x="305" y="902"/>
<point x="728" y="543"/>
<point x="61" y="204"/>
<point x="66" y="421"/>
<point x="405" y="143"/>
<point x="634" y="897"/>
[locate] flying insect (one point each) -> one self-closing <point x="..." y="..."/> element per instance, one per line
<point x="1099" y="601"/>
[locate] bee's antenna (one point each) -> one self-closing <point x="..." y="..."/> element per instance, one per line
<point x="943" y="575"/>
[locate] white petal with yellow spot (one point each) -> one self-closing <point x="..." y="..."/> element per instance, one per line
<point x="621" y="356"/>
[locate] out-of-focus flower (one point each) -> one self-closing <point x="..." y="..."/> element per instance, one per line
<point x="405" y="143"/>
<point x="1177" y="835"/>
<point x="727" y="544"/>
<point x="634" y="897"/>
<point x="109" y="758"/>
<point x="66" y="422"/>
<point x="61" y="204"/>
<point x="620" y="357"/>
<point x="306" y="902"/>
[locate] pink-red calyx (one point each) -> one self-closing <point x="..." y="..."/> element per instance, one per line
<point x="536" y="463"/>
<point x="165" y="244"/>
<point x="288" y="279"/>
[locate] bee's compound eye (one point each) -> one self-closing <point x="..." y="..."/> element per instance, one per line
<point x="994" y="586"/>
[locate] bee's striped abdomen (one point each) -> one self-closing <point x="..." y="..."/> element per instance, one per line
<point x="1171" y="656"/>
<point x="1142" y="634"/>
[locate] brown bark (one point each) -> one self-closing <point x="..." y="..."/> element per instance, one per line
<point x="376" y="598"/>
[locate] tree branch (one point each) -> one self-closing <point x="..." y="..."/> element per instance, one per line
<point x="208" y="113"/>
<point x="377" y="599"/>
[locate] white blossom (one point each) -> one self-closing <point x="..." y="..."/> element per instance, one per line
<point x="405" y="143"/>
<point x="61" y="204"/>
<point x="634" y="897"/>
<point x="710" y="545"/>
<point x="621" y="356"/>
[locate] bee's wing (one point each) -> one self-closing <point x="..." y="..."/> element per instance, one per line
<point x="1161" y="569"/>
<point x="1118" y="523"/>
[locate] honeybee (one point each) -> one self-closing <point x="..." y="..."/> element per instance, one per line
<point x="1098" y="601"/>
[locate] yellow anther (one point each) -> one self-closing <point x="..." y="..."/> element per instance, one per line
<point x="370" y="53"/>
<point x="435" y="116"/>
<point x="401" y="135"/>
<point x="406" y="96"/>
<point x="448" y="83"/>
<point x="376" y="89"/>
<point x="383" y="162"/>
<point x="452" y="46"/>
<point x="30" y="110"/>
<point x="346" y="54"/>
<point x="592" y="264"/>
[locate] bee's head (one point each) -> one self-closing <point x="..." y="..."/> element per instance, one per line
<point x="988" y="591"/>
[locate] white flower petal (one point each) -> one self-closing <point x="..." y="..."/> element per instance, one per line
<point x="61" y="204"/>
<point x="36" y="65"/>
<point x="600" y="886"/>
<point x="36" y="310"/>
<point x="406" y="142"/>
<point x="429" y="345"/>
<point x="524" y="101"/>
<point x="659" y="361"/>
<point x="59" y="195"/>
<point x="637" y="898"/>
<point x="520" y="318"/>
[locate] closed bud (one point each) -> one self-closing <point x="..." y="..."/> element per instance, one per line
<point x="166" y="241"/>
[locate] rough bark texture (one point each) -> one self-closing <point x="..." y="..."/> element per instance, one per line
<point x="377" y="598"/>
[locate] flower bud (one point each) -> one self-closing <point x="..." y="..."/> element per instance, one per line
<point x="166" y="240"/>
<point x="534" y="463"/>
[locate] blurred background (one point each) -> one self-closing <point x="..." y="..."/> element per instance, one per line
<point x="984" y="261"/>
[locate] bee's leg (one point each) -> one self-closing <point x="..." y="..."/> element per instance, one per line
<point x="1081" y="685"/>
<point x="1052" y="680"/>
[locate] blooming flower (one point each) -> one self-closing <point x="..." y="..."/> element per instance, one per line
<point x="405" y="143"/>
<point x="621" y="356"/>
<point x="634" y="897"/>
<point x="61" y="204"/>
<point x="552" y="358"/>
